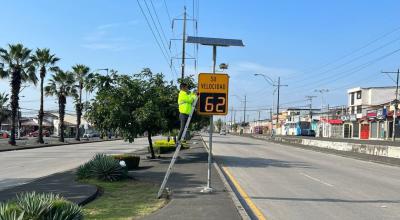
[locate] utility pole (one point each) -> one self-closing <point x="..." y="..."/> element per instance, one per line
<point x="183" y="43"/>
<point x="231" y="119"/>
<point x="183" y="57"/>
<point x="244" y="112"/>
<point x="309" y="98"/>
<point x="395" y="104"/>
<point x="277" y="104"/>
<point x="259" y="113"/>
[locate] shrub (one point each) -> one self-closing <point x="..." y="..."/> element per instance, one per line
<point x="9" y="212"/>
<point x="106" y="168"/>
<point x="131" y="160"/>
<point x="64" y="210"/>
<point x="35" y="206"/>
<point x="84" y="171"/>
<point x="163" y="146"/>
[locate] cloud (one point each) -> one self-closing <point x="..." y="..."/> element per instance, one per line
<point x="110" y="37"/>
<point x="246" y="67"/>
<point x="117" y="24"/>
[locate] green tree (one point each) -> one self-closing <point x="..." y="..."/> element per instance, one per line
<point x="4" y="113"/>
<point x="19" y="68"/>
<point x="80" y="71"/>
<point x="44" y="61"/>
<point x="219" y="124"/>
<point x="61" y="85"/>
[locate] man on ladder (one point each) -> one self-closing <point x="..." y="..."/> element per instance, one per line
<point x="185" y="100"/>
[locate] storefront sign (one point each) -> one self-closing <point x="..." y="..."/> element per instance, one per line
<point x="371" y="115"/>
<point x="353" y="117"/>
<point x="381" y="114"/>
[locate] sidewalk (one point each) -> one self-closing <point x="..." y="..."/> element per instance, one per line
<point x="188" y="177"/>
<point x="60" y="183"/>
<point x="186" y="181"/>
<point x="31" y="143"/>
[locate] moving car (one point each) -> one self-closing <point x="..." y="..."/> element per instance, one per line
<point x="222" y="132"/>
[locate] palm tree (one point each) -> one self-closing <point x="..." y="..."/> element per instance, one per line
<point x="3" y="107"/>
<point x="61" y="85"/>
<point x="81" y="72"/>
<point x="18" y="66"/>
<point x="44" y="61"/>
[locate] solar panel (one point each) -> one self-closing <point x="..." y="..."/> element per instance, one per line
<point x="215" y="41"/>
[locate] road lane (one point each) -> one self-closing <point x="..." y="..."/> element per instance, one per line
<point x="19" y="167"/>
<point x="291" y="183"/>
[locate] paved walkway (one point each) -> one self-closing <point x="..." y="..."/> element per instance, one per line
<point x="189" y="176"/>
<point x="60" y="183"/>
<point x="186" y="181"/>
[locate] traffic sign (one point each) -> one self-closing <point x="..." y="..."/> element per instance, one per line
<point x="213" y="94"/>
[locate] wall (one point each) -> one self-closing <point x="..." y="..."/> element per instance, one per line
<point x="372" y="149"/>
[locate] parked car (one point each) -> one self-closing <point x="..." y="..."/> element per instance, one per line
<point x="308" y="132"/>
<point x="91" y="135"/>
<point x="222" y="132"/>
<point x="46" y="133"/>
<point x="4" y="134"/>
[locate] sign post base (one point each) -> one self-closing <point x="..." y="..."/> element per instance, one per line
<point x="207" y="189"/>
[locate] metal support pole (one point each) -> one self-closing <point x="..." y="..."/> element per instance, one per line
<point x="208" y="188"/>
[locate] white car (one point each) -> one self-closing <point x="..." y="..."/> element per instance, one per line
<point x="222" y="132"/>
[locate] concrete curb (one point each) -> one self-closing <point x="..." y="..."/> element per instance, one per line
<point x="349" y="154"/>
<point x="239" y="207"/>
<point x="52" y="145"/>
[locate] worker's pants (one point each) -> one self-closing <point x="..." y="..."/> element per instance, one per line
<point x="183" y="118"/>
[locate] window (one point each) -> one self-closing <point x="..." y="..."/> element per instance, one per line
<point x="359" y="109"/>
<point x="352" y="98"/>
<point x="353" y="110"/>
<point x="359" y="95"/>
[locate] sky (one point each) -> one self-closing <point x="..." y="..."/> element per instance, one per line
<point x="310" y="44"/>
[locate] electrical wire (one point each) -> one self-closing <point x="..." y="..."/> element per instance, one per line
<point x="352" y="52"/>
<point x="156" y="39"/>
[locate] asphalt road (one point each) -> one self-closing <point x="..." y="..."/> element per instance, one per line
<point x="286" y="182"/>
<point x="19" y="167"/>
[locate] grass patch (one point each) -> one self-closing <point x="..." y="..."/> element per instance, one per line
<point x="127" y="199"/>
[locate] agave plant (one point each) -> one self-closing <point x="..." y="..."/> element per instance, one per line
<point x="64" y="210"/>
<point x="10" y="213"/>
<point x="84" y="171"/>
<point x="35" y="205"/>
<point x="107" y="168"/>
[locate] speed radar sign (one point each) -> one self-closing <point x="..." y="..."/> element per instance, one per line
<point x="213" y="94"/>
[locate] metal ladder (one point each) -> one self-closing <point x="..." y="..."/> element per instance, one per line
<point x="178" y="148"/>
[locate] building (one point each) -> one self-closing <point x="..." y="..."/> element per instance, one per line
<point x="370" y="113"/>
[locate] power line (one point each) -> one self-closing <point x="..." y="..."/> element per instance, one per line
<point x="158" y="20"/>
<point x="354" y="51"/>
<point x="157" y="30"/>
<point x="156" y="39"/>
<point x="166" y="9"/>
<point x="348" y="72"/>
<point x="339" y="66"/>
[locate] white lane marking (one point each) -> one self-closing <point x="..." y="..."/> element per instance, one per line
<point x="316" y="179"/>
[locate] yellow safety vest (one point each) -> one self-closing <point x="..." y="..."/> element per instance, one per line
<point x="185" y="101"/>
